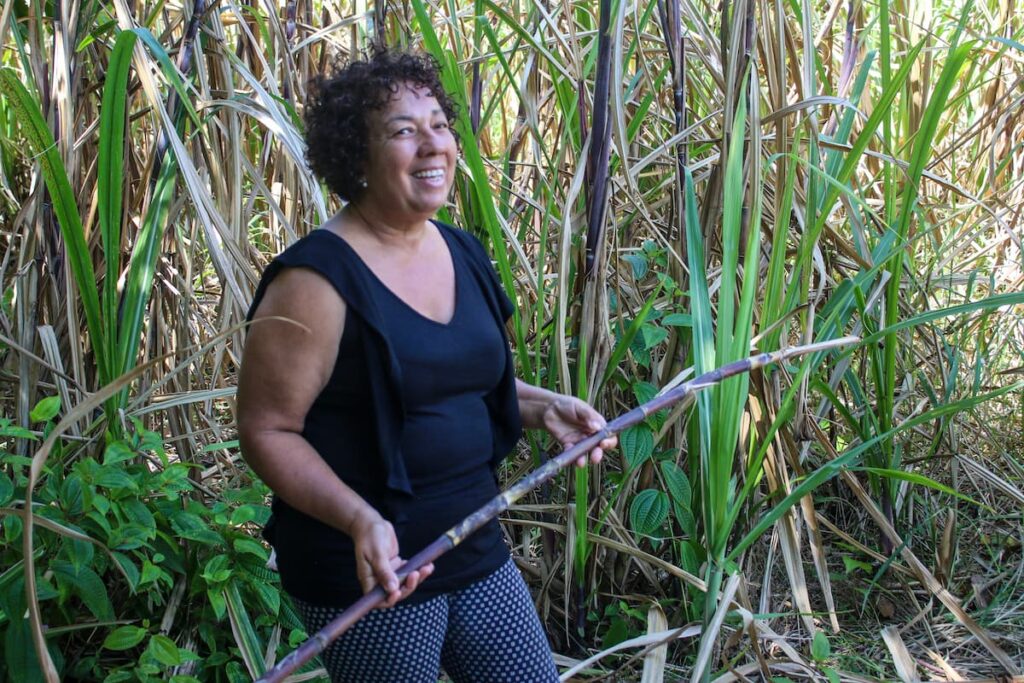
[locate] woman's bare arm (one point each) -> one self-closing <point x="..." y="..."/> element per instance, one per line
<point x="567" y="418"/>
<point x="285" y="366"/>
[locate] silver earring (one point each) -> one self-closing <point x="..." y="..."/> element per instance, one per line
<point x="362" y="182"/>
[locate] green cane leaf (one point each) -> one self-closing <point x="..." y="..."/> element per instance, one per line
<point x="44" y="150"/>
<point x="677" y="320"/>
<point x="110" y="174"/>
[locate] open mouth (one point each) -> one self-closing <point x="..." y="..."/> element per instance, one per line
<point x="428" y="174"/>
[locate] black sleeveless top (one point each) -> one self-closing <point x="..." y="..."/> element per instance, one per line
<point x="449" y="375"/>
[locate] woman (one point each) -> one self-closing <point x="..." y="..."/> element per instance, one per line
<point x="377" y="396"/>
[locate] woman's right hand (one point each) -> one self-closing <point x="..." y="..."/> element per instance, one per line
<point x="377" y="559"/>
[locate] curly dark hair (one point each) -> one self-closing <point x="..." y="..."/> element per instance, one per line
<point x="337" y="108"/>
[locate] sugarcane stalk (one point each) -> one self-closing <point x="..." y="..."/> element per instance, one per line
<point x="502" y="502"/>
<point x="600" y="140"/>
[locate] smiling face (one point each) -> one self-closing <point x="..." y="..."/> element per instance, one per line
<point x="411" y="162"/>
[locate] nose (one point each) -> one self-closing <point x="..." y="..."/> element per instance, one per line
<point x="433" y="141"/>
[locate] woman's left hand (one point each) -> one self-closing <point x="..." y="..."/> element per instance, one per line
<point x="570" y="420"/>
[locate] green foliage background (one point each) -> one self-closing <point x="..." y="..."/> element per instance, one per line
<point x="663" y="188"/>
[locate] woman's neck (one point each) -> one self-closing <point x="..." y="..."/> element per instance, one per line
<point x="373" y="226"/>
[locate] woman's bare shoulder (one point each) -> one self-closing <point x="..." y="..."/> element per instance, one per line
<point x="302" y="294"/>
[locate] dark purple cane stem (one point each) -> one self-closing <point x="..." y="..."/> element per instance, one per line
<point x="503" y="501"/>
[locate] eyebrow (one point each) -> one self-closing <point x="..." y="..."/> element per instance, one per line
<point x="406" y="117"/>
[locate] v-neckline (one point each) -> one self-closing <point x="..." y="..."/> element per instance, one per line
<point x="394" y="295"/>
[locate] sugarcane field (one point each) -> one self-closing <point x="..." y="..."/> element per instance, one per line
<point x="503" y="341"/>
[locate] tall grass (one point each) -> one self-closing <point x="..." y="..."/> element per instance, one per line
<point x="662" y="187"/>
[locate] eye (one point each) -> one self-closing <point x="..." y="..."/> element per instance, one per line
<point x="404" y="130"/>
<point x="441" y="125"/>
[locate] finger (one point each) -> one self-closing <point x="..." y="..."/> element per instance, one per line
<point x="418" y="575"/>
<point x="414" y="579"/>
<point x="581" y="461"/>
<point x="385" y="575"/>
<point x="596" y="455"/>
<point x="411" y="582"/>
<point x="366" y="580"/>
<point x="393" y="597"/>
<point x="609" y="443"/>
<point x="408" y="586"/>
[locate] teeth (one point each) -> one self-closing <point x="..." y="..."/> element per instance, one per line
<point x="432" y="173"/>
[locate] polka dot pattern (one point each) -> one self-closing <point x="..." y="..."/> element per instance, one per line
<point x="486" y="633"/>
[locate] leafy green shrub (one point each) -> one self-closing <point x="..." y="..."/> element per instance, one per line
<point x="139" y="577"/>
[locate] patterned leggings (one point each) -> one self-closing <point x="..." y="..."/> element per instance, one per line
<point x="486" y="633"/>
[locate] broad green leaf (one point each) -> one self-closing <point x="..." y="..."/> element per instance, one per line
<point x="12" y="528"/>
<point x="638" y="264"/>
<point x="653" y="335"/>
<point x="217" y="570"/>
<point x="687" y="522"/>
<point x="191" y="526"/>
<point x="81" y="553"/>
<point x="118" y="451"/>
<point x="269" y="596"/>
<point x="20" y="657"/>
<point x="216" y="597"/>
<point x="243" y="515"/>
<point x="820" y="648"/>
<point x="644" y="391"/>
<point x="72" y="497"/>
<point x="88" y="586"/>
<point x="124" y="638"/>
<point x="7" y="429"/>
<point x="617" y="632"/>
<point x="852" y="565"/>
<point x="6" y="489"/>
<point x="637" y="444"/>
<point x="151" y="573"/>
<point x="128" y="567"/>
<point x="648" y="511"/>
<point x="129" y="536"/>
<point x="164" y="650"/>
<point x="46" y="409"/>
<point x="250" y="547"/>
<point x="139" y="513"/>
<point x="115" y="478"/>
<point x="677" y="483"/>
